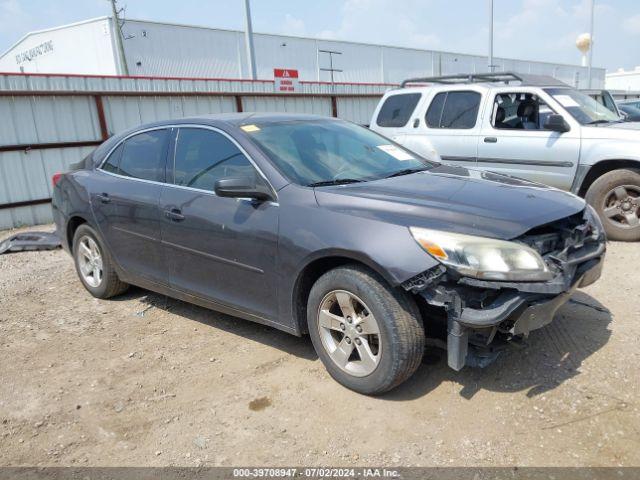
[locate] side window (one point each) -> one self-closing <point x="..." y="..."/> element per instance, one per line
<point x="204" y="156"/>
<point x="519" y="111"/>
<point x="454" y="110"/>
<point x="397" y="109"/>
<point x="143" y="156"/>
<point x="112" y="163"/>
<point x="434" y="114"/>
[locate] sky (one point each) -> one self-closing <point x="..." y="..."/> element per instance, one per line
<point x="543" y="30"/>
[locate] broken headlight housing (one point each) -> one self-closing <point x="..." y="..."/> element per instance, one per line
<point x="594" y="220"/>
<point x="483" y="258"/>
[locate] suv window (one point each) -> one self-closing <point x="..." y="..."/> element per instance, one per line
<point x="519" y="111"/>
<point x="143" y="156"/>
<point x="204" y="156"/>
<point x="397" y="109"/>
<point x="457" y="110"/>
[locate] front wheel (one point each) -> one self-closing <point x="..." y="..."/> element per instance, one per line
<point x="369" y="336"/>
<point x="616" y="198"/>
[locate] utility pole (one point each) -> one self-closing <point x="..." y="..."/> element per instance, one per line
<point x="248" y="40"/>
<point x="591" y="37"/>
<point x="491" y="36"/>
<point x="117" y="27"/>
<point x="331" y="53"/>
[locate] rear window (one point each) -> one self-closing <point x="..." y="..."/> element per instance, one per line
<point x="143" y="156"/>
<point x="455" y="110"/>
<point x="112" y="163"/>
<point x="397" y="109"/>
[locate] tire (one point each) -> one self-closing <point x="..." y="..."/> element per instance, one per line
<point x="398" y="345"/>
<point x="107" y="284"/>
<point x="616" y="197"/>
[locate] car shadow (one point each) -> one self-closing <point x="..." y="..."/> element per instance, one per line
<point x="553" y="355"/>
<point x="291" y="344"/>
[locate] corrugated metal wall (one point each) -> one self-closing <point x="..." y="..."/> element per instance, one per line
<point x="51" y="121"/>
<point x="26" y="176"/>
<point x="125" y="112"/>
<point x="47" y="119"/>
<point x="154" y="48"/>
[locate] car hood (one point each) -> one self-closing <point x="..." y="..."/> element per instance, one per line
<point x="454" y="199"/>
<point x="613" y="131"/>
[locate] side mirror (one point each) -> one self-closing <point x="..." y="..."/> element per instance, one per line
<point x="556" y="123"/>
<point x="242" y="187"/>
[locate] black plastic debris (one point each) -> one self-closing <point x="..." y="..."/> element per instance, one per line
<point x="28" y="241"/>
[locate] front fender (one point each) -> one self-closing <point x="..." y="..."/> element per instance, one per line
<point x="334" y="253"/>
<point x="308" y="232"/>
<point x="595" y="151"/>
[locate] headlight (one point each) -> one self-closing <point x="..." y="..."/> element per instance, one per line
<point x="484" y="258"/>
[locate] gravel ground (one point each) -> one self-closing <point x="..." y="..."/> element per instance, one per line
<point x="146" y="380"/>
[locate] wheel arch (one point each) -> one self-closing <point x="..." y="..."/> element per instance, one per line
<point x="317" y="266"/>
<point x="604" y="166"/>
<point x="72" y="225"/>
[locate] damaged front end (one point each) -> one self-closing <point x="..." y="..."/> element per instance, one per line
<point x="483" y="315"/>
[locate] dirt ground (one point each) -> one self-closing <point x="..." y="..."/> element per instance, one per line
<point x="143" y="380"/>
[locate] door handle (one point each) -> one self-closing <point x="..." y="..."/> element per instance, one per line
<point x="490" y="140"/>
<point x="103" y="197"/>
<point x="174" y="214"/>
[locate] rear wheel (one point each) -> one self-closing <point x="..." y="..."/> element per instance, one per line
<point x="94" y="265"/>
<point x="616" y="198"/>
<point x="369" y="337"/>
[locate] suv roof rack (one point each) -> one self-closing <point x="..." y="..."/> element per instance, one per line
<point x="489" y="77"/>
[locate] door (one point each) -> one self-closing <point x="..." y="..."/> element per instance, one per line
<point x="220" y="249"/>
<point x="125" y="203"/>
<point x="513" y="141"/>
<point x="451" y="127"/>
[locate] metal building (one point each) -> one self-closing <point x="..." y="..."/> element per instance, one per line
<point x="625" y="80"/>
<point x="171" y="50"/>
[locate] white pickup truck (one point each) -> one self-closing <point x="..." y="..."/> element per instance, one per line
<point x="532" y="127"/>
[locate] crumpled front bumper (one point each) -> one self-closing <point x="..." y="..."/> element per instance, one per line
<point x="540" y="307"/>
<point x="511" y="308"/>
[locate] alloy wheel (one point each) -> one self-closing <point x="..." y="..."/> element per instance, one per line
<point x="622" y="206"/>
<point x="90" y="261"/>
<point x="349" y="333"/>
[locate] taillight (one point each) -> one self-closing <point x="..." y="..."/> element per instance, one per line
<point x="56" y="178"/>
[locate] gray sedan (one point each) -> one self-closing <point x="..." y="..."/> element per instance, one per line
<point x="317" y="226"/>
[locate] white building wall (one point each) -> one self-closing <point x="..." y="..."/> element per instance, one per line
<point x="624" y="80"/>
<point x="186" y="51"/>
<point x="84" y="47"/>
<point x="159" y="49"/>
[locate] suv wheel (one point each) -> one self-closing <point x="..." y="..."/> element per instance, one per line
<point x="94" y="265"/>
<point x="616" y="198"/>
<point x="369" y="337"/>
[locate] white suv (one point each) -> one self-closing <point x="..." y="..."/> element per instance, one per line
<point x="532" y="127"/>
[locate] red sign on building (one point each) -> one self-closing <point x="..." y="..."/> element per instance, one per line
<point x="286" y="80"/>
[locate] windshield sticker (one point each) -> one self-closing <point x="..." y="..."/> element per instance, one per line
<point x="566" y="101"/>
<point x="396" y="152"/>
<point x="250" y="128"/>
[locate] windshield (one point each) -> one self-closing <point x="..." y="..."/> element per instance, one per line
<point x="329" y="152"/>
<point x="582" y="107"/>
